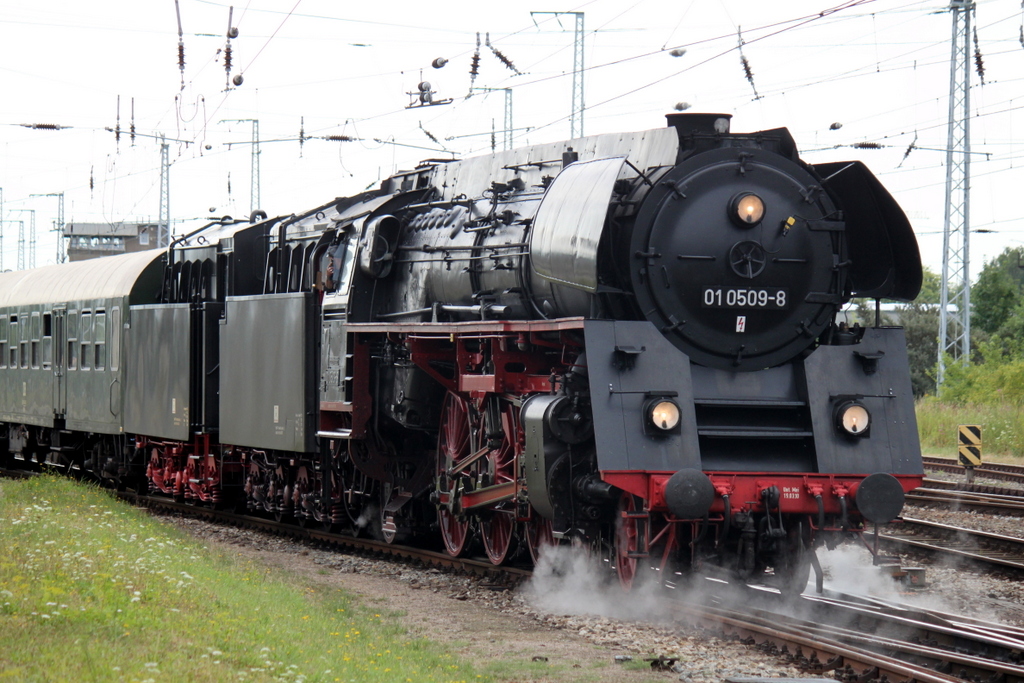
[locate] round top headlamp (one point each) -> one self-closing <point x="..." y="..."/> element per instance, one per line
<point x="663" y="414"/>
<point x="746" y="209"/>
<point x="853" y="419"/>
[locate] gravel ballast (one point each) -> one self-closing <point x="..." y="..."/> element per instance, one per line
<point x="564" y="620"/>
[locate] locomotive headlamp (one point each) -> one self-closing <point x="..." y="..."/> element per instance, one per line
<point x="747" y="209"/>
<point x="853" y="419"/>
<point x="663" y="413"/>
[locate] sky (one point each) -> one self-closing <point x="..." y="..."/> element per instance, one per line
<point x="321" y="69"/>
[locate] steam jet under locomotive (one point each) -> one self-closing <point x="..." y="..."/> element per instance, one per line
<point x="623" y="341"/>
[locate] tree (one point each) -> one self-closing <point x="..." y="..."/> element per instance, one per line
<point x="931" y="285"/>
<point x="920" y="321"/>
<point x="998" y="291"/>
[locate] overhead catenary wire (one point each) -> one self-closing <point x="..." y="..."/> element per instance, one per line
<point x="764" y="90"/>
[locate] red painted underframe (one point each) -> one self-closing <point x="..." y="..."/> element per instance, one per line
<point x="797" y="491"/>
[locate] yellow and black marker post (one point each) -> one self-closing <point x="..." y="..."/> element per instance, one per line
<point x="969" y="444"/>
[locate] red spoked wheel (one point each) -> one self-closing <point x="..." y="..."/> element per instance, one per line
<point x="453" y="446"/>
<point x="498" y="528"/>
<point x="627" y="539"/>
<point x="539" y="535"/>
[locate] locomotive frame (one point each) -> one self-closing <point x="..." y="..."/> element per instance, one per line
<point x="540" y="346"/>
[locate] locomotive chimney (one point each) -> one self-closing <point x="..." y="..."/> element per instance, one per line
<point x="699" y="124"/>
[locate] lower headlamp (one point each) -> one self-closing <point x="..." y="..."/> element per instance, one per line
<point x="853" y="419"/>
<point x="663" y="414"/>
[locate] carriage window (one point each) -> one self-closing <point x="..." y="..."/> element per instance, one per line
<point x="23" y="336"/>
<point x="72" y="340"/>
<point x="47" y="340"/>
<point x="115" y="338"/>
<point x="3" y="341"/>
<point x="13" y="343"/>
<point x="85" y="355"/>
<point x="34" y="340"/>
<point x="100" y="335"/>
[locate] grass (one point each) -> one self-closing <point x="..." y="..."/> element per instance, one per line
<point x="92" y="589"/>
<point x="1002" y="425"/>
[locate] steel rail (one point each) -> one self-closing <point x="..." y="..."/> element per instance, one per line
<point x="428" y="557"/>
<point x="991" y="470"/>
<point x="814" y="653"/>
<point x="957" y="499"/>
<point x="980" y="546"/>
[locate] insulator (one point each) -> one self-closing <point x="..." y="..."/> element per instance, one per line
<point x="92" y="180"/>
<point x="181" y="55"/>
<point x="44" y="126"/>
<point x="504" y="60"/>
<point x="439" y="62"/>
<point x="237" y="80"/>
<point x="474" y="66"/>
<point x="978" y="63"/>
<point x="749" y="73"/>
<point x="227" y="57"/>
<point x="429" y="135"/>
<point x="131" y="133"/>
<point x="338" y="138"/>
<point x="867" y="145"/>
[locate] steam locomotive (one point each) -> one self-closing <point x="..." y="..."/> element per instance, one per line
<point x="627" y="342"/>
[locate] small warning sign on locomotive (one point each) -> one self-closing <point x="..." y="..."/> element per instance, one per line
<point x="969" y="443"/>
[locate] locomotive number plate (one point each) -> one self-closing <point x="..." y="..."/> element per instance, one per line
<point x="729" y="297"/>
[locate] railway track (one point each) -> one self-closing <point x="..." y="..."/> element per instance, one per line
<point x="991" y="470"/>
<point x="979" y="498"/>
<point x="313" y="535"/>
<point x="333" y="539"/>
<point x="977" y="546"/>
<point x="880" y="640"/>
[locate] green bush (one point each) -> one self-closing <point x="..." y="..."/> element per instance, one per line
<point x="1002" y="426"/>
<point x="998" y="380"/>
